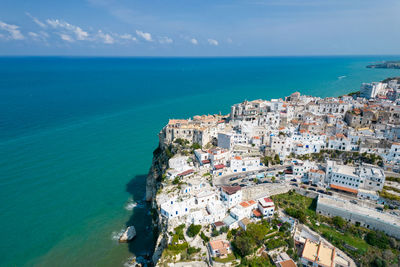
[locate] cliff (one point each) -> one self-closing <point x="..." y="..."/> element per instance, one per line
<point x="157" y="169"/>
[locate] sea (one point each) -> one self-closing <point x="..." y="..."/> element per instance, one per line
<point x="77" y="136"/>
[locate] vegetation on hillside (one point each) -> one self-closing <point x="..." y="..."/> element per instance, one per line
<point x="360" y="243"/>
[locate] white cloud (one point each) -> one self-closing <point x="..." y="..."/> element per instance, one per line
<point x="40" y="36"/>
<point x="33" y="34"/>
<point x="165" y="40"/>
<point x="212" y="42"/>
<point x="144" y="35"/>
<point x="12" y="30"/>
<point x="105" y="37"/>
<point x="79" y="33"/>
<point x="66" y="37"/>
<point x="36" y="20"/>
<point x="44" y="34"/>
<point x="194" y="41"/>
<point x="127" y="36"/>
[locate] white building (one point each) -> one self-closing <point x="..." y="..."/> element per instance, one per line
<point x="371" y="90"/>
<point x="179" y="163"/>
<point x="266" y="206"/>
<point x="217" y="210"/>
<point x="218" y="156"/>
<point x="231" y="195"/>
<point x="394" y="153"/>
<point x="174" y="208"/>
<point x="352" y="179"/>
<point x="244" y="209"/>
<point x="239" y="164"/>
<point x="202" y="156"/>
<point x="316" y="176"/>
<point x="228" y="140"/>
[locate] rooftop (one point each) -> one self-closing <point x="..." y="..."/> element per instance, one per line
<point x="230" y="190"/>
<point x="319" y="253"/>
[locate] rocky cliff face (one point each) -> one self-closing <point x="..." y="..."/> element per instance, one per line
<point x="157" y="169"/>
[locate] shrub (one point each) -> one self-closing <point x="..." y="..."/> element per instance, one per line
<point x="204" y="237"/>
<point x="339" y="222"/>
<point x="192" y="250"/>
<point x="378" y="239"/>
<point x="193" y="230"/>
<point x="244" y="244"/>
<point x="215" y="232"/>
<point x="196" y="146"/>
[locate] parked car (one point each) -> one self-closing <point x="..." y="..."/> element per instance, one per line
<point x="312" y="189"/>
<point x="265" y="182"/>
<point x="235" y="184"/>
<point x="294" y="180"/>
<point x="294" y="184"/>
<point x="321" y="191"/>
<point x="314" y="185"/>
<point x="242" y="185"/>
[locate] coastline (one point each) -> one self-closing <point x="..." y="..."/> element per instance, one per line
<point x="115" y="144"/>
<point x="178" y="166"/>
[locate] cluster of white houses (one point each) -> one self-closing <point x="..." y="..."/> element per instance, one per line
<point x="207" y="206"/>
<point x="294" y="126"/>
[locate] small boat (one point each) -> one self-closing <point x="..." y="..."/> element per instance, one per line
<point x="128" y="235"/>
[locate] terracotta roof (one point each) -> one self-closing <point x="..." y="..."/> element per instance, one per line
<point x="252" y="202"/>
<point x="219" y="166"/>
<point x="219" y="223"/>
<point x="287" y="263"/>
<point x="230" y="190"/>
<point x="220" y="245"/>
<point x="186" y="172"/>
<point x="257" y="213"/>
<point x="351" y="190"/>
<point x="206" y="161"/>
<point x="340" y="135"/>
<point x="244" y="204"/>
<point x="267" y="199"/>
<point x="238" y="158"/>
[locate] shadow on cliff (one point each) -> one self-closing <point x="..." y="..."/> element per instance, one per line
<point x="143" y="244"/>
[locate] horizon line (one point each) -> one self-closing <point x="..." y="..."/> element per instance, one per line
<point x="230" y="56"/>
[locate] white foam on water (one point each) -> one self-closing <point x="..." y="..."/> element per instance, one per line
<point x="130" y="205"/>
<point x="116" y="235"/>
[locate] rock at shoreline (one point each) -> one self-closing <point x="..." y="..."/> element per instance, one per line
<point x="128" y="235"/>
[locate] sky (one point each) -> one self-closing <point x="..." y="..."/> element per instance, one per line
<point x="199" y="27"/>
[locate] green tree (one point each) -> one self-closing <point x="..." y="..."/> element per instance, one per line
<point x="339" y="222"/>
<point x="378" y="239"/>
<point x="244" y="244"/>
<point x="257" y="231"/>
<point x="193" y="230"/>
<point x="204" y="237"/>
<point x="277" y="159"/>
<point x="196" y="146"/>
<point x="215" y="232"/>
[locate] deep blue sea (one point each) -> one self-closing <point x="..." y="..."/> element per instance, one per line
<point x="77" y="135"/>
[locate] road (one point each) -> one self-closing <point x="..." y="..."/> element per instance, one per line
<point x="224" y="179"/>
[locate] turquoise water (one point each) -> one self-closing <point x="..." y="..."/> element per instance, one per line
<point x="77" y="135"/>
